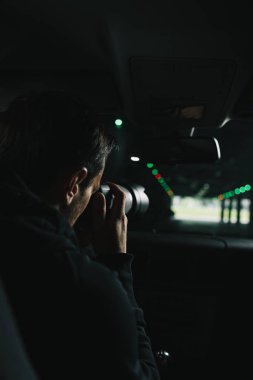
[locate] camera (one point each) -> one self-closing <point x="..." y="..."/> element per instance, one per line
<point x="136" y="204"/>
<point x="137" y="201"/>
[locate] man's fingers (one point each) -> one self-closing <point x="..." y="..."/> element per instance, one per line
<point x="98" y="210"/>
<point x="119" y="200"/>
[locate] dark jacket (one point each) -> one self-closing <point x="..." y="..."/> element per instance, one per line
<point x="78" y="317"/>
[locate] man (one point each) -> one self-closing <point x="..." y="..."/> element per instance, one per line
<point x="78" y="317"/>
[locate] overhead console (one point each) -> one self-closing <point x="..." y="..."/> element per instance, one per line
<point x="173" y="93"/>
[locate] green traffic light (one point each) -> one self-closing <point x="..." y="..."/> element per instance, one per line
<point x="154" y="171"/>
<point x="150" y="165"/>
<point x="242" y="189"/>
<point x="247" y="187"/>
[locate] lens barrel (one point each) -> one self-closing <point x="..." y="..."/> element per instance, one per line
<point x="137" y="201"/>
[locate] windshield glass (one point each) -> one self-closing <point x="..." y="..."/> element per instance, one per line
<point x="202" y="198"/>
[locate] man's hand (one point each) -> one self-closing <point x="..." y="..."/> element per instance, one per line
<point x="109" y="232"/>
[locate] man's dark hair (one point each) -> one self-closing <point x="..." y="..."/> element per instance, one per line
<point x="44" y="133"/>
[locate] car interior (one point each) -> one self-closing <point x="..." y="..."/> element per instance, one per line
<point x="173" y="82"/>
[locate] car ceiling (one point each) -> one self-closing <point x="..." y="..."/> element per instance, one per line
<point x="143" y="60"/>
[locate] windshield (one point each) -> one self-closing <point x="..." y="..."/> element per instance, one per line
<point x="201" y="198"/>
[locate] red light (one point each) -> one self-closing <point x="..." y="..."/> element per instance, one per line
<point x="158" y="176"/>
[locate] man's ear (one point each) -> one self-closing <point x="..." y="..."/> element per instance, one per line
<point x="72" y="184"/>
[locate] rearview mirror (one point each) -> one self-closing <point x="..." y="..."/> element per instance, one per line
<point x="181" y="150"/>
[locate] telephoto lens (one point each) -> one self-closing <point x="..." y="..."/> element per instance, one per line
<point x="137" y="201"/>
